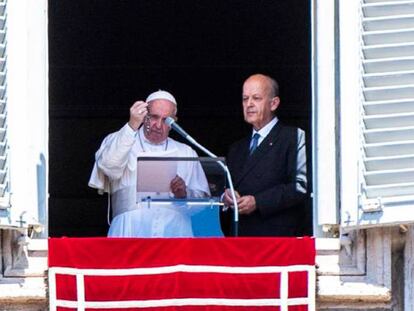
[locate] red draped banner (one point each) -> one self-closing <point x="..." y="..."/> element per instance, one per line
<point x="182" y="274"/>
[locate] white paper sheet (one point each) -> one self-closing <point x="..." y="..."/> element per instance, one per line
<point x="155" y="176"/>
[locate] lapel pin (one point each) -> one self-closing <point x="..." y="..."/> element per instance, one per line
<point x="270" y="144"/>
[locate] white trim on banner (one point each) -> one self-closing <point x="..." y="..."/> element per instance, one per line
<point x="283" y="302"/>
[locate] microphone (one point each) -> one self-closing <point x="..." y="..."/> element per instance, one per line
<point x="171" y="123"/>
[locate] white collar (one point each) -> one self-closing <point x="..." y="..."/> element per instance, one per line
<point x="265" y="130"/>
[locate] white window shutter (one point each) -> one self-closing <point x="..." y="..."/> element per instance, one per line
<point x="4" y="173"/>
<point x="387" y="114"/>
<point x="23" y="113"/>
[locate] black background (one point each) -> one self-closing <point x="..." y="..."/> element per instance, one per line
<point x="104" y="55"/>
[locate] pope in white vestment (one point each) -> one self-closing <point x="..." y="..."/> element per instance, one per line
<point x="115" y="171"/>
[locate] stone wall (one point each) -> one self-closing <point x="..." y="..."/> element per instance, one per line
<point x="23" y="271"/>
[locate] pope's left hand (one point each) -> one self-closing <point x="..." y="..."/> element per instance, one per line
<point x="178" y="187"/>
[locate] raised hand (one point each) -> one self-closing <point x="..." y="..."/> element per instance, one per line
<point x="137" y="114"/>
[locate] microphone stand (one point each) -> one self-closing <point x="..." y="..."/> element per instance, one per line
<point x="226" y="170"/>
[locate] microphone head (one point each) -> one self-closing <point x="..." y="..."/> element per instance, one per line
<point x="169" y="121"/>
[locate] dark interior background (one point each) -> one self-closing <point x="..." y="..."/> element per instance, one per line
<point x="104" y="55"/>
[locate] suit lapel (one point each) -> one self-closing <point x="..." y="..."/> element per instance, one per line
<point x="267" y="144"/>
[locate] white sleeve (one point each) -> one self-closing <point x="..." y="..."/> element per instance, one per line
<point x="301" y="180"/>
<point x="113" y="155"/>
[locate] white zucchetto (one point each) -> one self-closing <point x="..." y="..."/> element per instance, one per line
<point x="161" y="95"/>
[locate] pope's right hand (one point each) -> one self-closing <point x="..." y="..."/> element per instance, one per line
<point x="137" y="114"/>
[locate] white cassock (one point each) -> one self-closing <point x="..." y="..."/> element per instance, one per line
<point x="115" y="171"/>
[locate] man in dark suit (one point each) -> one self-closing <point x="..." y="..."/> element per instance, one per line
<point x="268" y="168"/>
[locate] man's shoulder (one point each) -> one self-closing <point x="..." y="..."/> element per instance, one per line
<point x="289" y="129"/>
